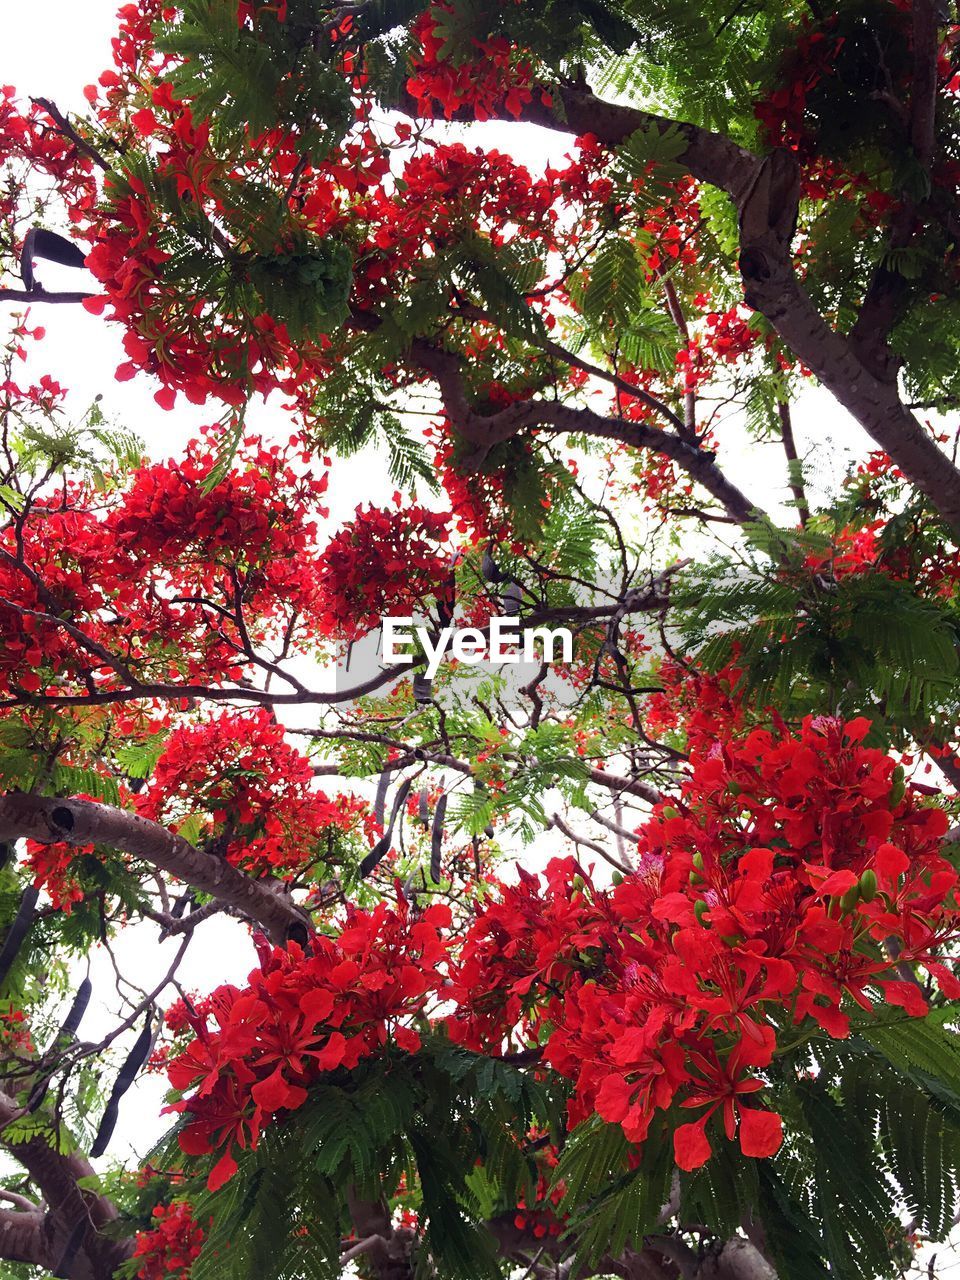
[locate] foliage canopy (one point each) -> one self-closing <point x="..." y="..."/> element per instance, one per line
<point x="713" y="1035"/>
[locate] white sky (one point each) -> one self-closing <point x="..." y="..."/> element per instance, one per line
<point x="52" y="48"/>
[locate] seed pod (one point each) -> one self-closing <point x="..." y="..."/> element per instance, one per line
<point x="424" y="809"/>
<point x="298" y="931"/>
<point x="40" y="243"/>
<point x="77" y="1010"/>
<point x="512" y="599"/>
<point x="38" y="1093"/>
<point x="480" y="786"/>
<point x="128" y="1073"/>
<point x="185" y="900"/>
<point x="436" y="839"/>
<point x="380" y="803"/>
<point x="488" y="566"/>
<point x="26" y="914"/>
<point x="868" y="885"/>
<point x="422" y="689"/>
<point x="850" y="900"/>
<point x="65" y="1035"/>
<point x="382" y="847"/>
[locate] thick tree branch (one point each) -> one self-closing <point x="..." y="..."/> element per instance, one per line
<point x="389" y="1249"/>
<point x="709" y="156"/>
<point x="679" y="1253"/>
<point x="766" y="193"/>
<point x="566" y="357"/>
<point x="738" y="1259"/>
<point x="698" y="463"/>
<point x="210" y="693"/>
<point x="79" y="822"/>
<point x="23" y="1238"/>
<point x="73" y="1219"/>
<point x="923" y="88"/>
<point x="485" y="431"/>
<point x="888" y="292"/>
<point x="767" y="216"/>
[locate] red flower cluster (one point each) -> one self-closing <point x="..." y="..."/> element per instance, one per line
<point x="381" y="563"/>
<point x="731" y="337"/>
<point x="305" y="1012"/>
<point x="783" y="113"/>
<point x="476" y="499"/>
<point x="703" y="706"/>
<point x="169" y="1249"/>
<point x="14" y="1032"/>
<point x="765" y="899"/>
<point x="227" y="567"/>
<point x="248" y="540"/>
<point x="54" y="868"/>
<point x="786" y="886"/>
<point x="31" y="145"/>
<point x="451" y="193"/>
<point x="853" y="551"/>
<point x="255" y="793"/>
<point x="728" y="339"/>
<point x="543" y="1216"/>
<point x="494" y="80"/>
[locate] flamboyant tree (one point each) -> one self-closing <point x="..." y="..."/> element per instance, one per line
<point x="714" y="1035"/>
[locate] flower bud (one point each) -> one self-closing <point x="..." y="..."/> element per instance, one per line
<point x="868" y="885"/>
<point x="850" y="900"/>
<point x="898" y="786"/>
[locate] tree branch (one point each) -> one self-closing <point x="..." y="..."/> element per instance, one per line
<point x="66" y="128"/>
<point x="73" y="1218"/>
<point x="23" y="1238"/>
<point x="485" y="431"/>
<point x="586" y="843"/>
<point x="679" y="1253"/>
<point x="793" y="461"/>
<point x="923" y="88"/>
<point x="888" y="292"/>
<point x="766" y="193"/>
<point x="51" y="820"/>
<point x="625" y="786"/>
<point x="41" y="295"/>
